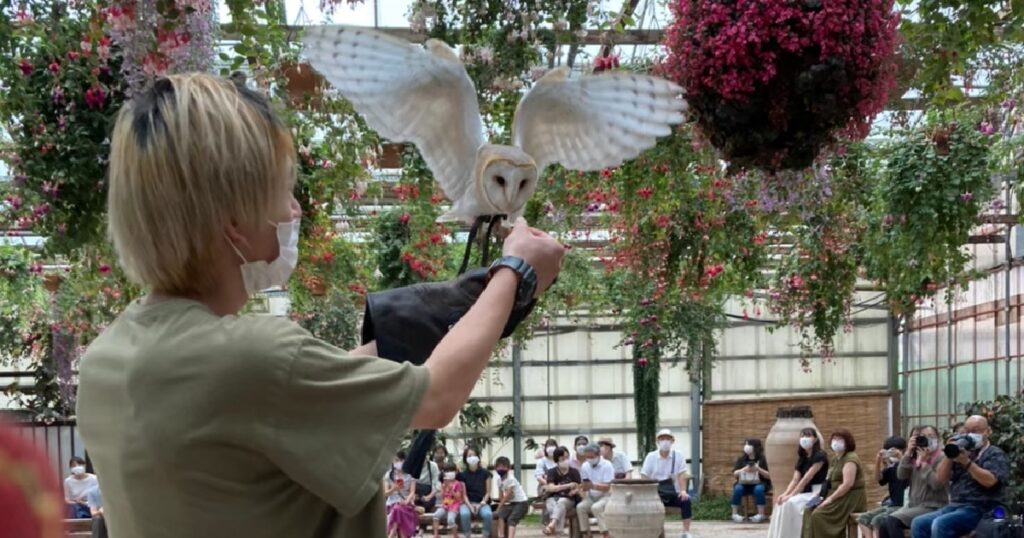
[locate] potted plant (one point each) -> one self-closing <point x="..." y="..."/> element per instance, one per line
<point x="772" y="82"/>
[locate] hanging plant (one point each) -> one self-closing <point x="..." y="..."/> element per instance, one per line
<point x="935" y="182"/>
<point x="772" y="82"/>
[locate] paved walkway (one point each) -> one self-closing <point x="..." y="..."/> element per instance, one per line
<point x="699" y="529"/>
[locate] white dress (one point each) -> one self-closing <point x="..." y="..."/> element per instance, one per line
<point x="788" y="520"/>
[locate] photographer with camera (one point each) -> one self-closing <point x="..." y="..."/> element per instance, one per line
<point x="919" y="465"/>
<point x="977" y="472"/>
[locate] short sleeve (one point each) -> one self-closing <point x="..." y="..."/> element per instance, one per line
<point x="648" y="467"/>
<point x="999" y="466"/>
<point x="338" y="420"/>
<point x="681" y="466"/>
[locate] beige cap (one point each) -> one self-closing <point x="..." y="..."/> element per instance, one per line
<point x="664" y="433"/>
<point x="605" y="441"/>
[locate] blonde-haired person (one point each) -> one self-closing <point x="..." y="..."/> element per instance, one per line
<point x="203" y="422"/>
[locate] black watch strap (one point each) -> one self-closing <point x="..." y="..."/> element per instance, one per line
<point x="527" y="276"/>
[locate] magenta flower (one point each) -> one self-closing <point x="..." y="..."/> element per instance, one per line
<point x="966" y="197"/>
<point x="104" y="268"/>
<point x="54" y="67"/>
<point x="95" y="97"/>
<point x="987" y="128"/>
<point x="25" y="66"/>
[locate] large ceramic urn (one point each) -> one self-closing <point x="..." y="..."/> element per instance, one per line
<point x="783" y="442"/>
<point x="634" y="509"/>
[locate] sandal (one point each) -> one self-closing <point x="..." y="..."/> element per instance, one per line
<point x="548" y="531"/>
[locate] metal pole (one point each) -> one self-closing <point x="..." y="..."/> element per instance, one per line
<point x="951" y="384"/>
<point x="517" y="403"/>
<point x="695" y="435"/>
<point x="893" y="363"/>
<point x="906" y="367"/>
<point x="1009" y="267"/>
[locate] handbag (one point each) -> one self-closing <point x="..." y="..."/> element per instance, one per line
<point x="667" y="487"/>
<point x="422" y="490"/>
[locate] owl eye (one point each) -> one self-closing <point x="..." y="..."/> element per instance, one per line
<point x="500" y="180"/>
<point x="522" y="184"/>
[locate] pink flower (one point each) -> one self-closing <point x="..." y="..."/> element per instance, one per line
<point x="966" y="197"/>
<point x="642" y="362"/>
<point x="404" y="219"/>
<point x="57" y="95"/>
<point x="25" y="66"/>
<point x="73" y="55"/>
<point x="987" y="128"/>
<point x="54" y="68"/>
<point x="95" y="97"/>
<point x="86" y="44"/>
<point x="103" y="49"/>
<point x="104" y="268"/>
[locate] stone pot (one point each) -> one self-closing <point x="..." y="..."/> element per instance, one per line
<point x="634" y="509"/>
<point x="783" y="441"/>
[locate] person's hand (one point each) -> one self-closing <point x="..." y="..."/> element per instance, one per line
<point x="684" y="496"/>
<point x="474" y="508"/>
<point x="543" y="252"/>
<point x="825" y="503"/>
<point x="897" y="453"/>
<point x="781" y="499"/>
<point x="963" y="459"/>
<point x="912" y="445"/>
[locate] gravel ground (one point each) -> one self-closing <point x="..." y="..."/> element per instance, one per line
<point x="699" y="529"/>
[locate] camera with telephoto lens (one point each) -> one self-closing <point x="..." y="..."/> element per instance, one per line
<point x="921" y="441"/>
<point x="958" y="443"/>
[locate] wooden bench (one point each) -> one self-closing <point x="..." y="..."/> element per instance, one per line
<point x="853" y="531"/>
<point x="77" y="528"/>
<point x="426" y="522"/>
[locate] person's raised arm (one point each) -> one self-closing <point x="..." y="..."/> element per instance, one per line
<point x="460" y="358"/>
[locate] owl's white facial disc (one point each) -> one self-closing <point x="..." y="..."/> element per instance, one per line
<point x="507" y="185"/>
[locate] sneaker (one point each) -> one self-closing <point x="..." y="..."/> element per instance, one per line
<point x="757" y="519"/>
<point x="738" y="518"/>
<point x="685" y="535"/>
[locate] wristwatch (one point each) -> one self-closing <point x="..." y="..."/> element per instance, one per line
<point x="527" y="277"/>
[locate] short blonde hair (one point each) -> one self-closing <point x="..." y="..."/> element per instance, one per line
<point x="187" y="155"/>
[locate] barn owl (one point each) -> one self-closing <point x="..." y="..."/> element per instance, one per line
<point x="424" y="96"/>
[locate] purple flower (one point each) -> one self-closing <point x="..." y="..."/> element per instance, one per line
<point x="987" y="128"/>
<point x="997" y="205"/>
<point x="57" y="95"/>
<point x="887" y="220"/>
<point x="966" y="197"/>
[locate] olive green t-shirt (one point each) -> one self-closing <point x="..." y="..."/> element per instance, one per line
<point x="238" y="426"/>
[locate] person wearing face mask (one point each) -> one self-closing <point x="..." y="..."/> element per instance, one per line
<point x="919" y="465"/>
<point x="562" y="490"/>
<point x="76" y="485"/>
<point x="886" y="470"/>
<point x="272" y="431"/>
<point x="808" y="477"/>
<point x="513" y="505"/>
<point x="428" y="485"/>
<point x="752" y="478"/>
<point x="545" y="464"/>
<point x="668" y="467"/>
<point x="400" y="493"/>
<point x="596" y="475"/>
<point x="477" y="501"/>
<point x="845" y="491"/>
<point x="977" y="482"/>
<point x="453" y="493"/>
<point x="620" y="461"/>
<point x="577" y="459"/>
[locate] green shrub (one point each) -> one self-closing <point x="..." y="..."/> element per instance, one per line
<point x="712" y="508"/>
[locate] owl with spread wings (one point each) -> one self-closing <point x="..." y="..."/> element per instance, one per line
<point x="424" y="96"/>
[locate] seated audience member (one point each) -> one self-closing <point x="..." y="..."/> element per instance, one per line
<point x="577" y="460"/>
<point x="562" y="490"/>
<point x="75" y="487"/>
<point x="845" y="491"/>
<point x="886" y="467"/>
<point x="977" y="472"/>
<point x="808" y="479"/>
<point x="452" y="494"/>
<point x="596" y="475"/>
<point x="752" y="478"/>
<point x="668" y="467"/>
<point x="399" y="494"/>
<point x="477" y="481"/>
<point x="95" y="502"/>
<point x="513" y="504"/>
<point x="620" y="461"/>
<point x="427" y="486"/>
<point x="919" y="465"/>
<point x="545" y="464"/>
<point x="441" y="456"/>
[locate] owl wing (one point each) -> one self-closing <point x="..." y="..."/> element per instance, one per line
<point x="595" y="121"/>
<point x="406" y="93"/>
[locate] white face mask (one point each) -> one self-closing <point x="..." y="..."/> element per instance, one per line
<point x="261" y="275"/>
<point x="579" y="448"/>
<point x="397" y="466"/>
<point x="933" y="444"/>
<point x="978" y="438"/>
<point x="563" y="465"/>
<point x="806" y="443"/>
<point x="78" y="470"/>
<point x="748" y="450"/>
<point x="449" y="476"/>
<point x="665" y="445"/>
<point x="549" y="451"/>
<point x="473" y="461"/>
<point x="594" y="461"/>
<point x="838" y="446"/>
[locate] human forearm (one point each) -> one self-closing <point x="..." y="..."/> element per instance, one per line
<point x="982" y="476"/>
<point x="944" y="471"/>
<point x="460" y="358"/>
<point x="365" y="350"/>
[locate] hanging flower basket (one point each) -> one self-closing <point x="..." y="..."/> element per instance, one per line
<point x="52" y="282"/>
<point x="303" y="83"/>
<point x="772" y="82"/>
